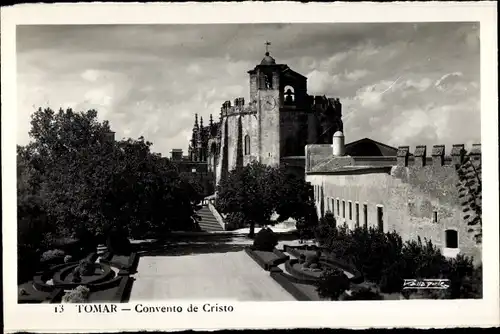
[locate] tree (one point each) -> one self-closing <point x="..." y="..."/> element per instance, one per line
<point x="249" y="190"/>
<point x="258" y="191"/>
<point x="470" y="194"/>
<point x="87" y="180"/>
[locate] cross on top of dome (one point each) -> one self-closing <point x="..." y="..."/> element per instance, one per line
<point x="268" y="60"/>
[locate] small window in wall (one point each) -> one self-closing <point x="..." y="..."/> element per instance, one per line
<point x="380" y="217"/>
<point x="435" y="217"/>
<point x="338" y="207"/>
<point x="247" y="145"/>
<point x="365" y="215"/>
<point x="451" y="238"/>
<point x="332" y="205"/>
<point x="350" y="210"/>
<point x="343" y="208"/>
<point x="357" y="214"/>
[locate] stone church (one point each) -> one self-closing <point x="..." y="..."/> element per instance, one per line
<point x="272" y="128"/>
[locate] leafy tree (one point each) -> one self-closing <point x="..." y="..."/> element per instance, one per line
<point x="85" y="180"/>
<point x="258" y="191"/>
<point x="249" y="190"/>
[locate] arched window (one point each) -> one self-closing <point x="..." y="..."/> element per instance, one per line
<point x="247" y="145"/>
<point x="289" y="93"/>
<point x="451" y="237"/>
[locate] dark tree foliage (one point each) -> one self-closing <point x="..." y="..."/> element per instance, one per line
<point x="249" y="190"/>
<point x="77" y="181"/>
<point x="386" y="261"/>
<point x="470" y="194"/>
<point x="332" y="284"/>
<point x="258" y="191"/>
<point x="265" y="240"/>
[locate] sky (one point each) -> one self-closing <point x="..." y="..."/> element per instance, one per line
<point x="399" y="83"/>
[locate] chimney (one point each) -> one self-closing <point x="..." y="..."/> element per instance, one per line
<point x="457" y="154"/>
<point x="402" y="156"/>
<point x="176" y="154"/>
<point x="338" y="147"/>
<point x="438" y="155"/>
<point x="420" y="155"/>
<point x="109" y="136"/>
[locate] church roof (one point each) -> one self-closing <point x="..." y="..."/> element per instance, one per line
<point x="369" y="147"/>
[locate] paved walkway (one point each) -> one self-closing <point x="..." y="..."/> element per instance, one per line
<point x="223" y="276"/>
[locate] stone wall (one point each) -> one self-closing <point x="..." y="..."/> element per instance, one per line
<point x="415" y="200"/>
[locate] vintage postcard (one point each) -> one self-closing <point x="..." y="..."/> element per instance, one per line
<point x="249" y="165"/>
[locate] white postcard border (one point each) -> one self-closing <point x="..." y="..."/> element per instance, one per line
<point x="414" y="313"/>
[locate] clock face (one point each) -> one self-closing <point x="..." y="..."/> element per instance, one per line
<point x="269" y="102"/>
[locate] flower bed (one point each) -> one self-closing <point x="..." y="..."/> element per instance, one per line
<point x="126" y="263"/>
<point x="299" y="290"/>
<point x="267" y="260"/>
<point x="303" y="276"/>
<point x="328" y="259"/>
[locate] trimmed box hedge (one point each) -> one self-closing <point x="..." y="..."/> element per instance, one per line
<point x="284" y="280"/>
<point x="267" y="260"/>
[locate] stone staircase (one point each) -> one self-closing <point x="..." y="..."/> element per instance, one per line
<point x="207" y="221"/>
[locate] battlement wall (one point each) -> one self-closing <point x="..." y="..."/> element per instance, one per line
<point x="438" y="156"/>
<point x="238" y="108"/>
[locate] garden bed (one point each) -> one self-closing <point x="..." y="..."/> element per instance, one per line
<point x="116" y="290"/>
<point x="355" y="276"/>
<point x="119" y="293"/>
<point x="126" y="263"/>
<point x="294" y="268"/>
<point x="298" y="289"/>
<point x="267" y="260"/>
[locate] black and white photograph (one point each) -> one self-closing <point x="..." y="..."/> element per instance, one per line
<point x="248" y="162"/>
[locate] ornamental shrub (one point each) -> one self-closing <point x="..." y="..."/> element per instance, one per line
<point x="265" y="240"/>
<point x="78" y="295"/>
<point x="118" y="242"/>
<point x="326" y="228"/>
<point x="332" y="284"/>
<point x="312" y="260"/>
<point x="52" y="255"/>
<point x="236" y="220"/>
<point x="86" y="268"/>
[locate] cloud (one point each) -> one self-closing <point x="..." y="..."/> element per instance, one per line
<point x="399" y="83"/>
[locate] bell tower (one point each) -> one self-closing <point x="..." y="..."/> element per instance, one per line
<point x="265" y="96"/>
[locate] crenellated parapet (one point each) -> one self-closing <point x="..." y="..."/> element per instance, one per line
<point x="438" y="156"/>
<point x="238" y="108"/>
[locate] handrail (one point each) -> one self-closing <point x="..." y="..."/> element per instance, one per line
<point x="217" y="215"/>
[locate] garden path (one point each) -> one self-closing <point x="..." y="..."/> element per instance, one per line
<point x="222" y="276"/>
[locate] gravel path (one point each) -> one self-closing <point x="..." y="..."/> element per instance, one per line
<point x="222" y="276"/>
